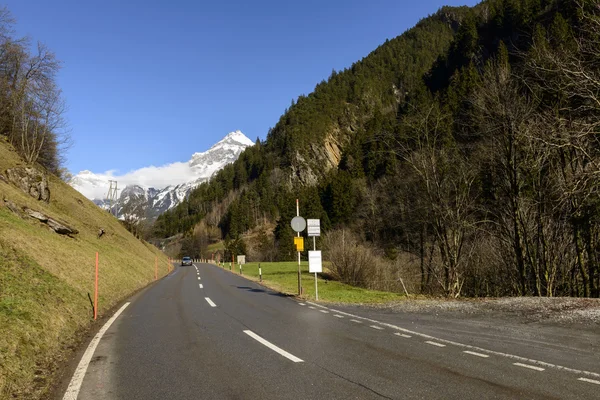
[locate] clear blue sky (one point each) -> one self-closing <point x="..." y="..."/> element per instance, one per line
<point x="149" y="82"/>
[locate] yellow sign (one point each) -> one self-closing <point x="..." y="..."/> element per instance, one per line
<point x="299" y="242"/>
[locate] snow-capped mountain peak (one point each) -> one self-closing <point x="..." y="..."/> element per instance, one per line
<point x="140" y="198"/>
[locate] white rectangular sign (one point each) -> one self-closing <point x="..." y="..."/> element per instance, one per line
<point x="315" y="263"/>
<point x="241" y="260"/>
<point x="313" y="227"/>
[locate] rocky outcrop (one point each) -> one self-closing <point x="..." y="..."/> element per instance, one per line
<point x="58" y="227"/>
<point x="31" y="181"/>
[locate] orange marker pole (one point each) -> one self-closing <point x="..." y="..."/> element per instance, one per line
<point x="96" y="291"/>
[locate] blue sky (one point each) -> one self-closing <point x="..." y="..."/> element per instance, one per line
<point x="151" y="82"/>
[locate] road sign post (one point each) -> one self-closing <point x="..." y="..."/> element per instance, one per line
<point x="314" y="230"/>
<point x="298" y="225"/>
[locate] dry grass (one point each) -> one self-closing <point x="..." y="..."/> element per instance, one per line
<point x="45" y="279"/>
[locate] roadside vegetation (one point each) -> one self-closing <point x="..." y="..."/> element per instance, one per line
<point x="283" y="277"/>
<point x="46" y="278"/>
<point x="464" y="155"/>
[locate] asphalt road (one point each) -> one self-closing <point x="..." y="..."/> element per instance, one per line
<point x="205" y="333"/>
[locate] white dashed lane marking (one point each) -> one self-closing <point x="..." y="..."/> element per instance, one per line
<point x="435" y="344"/>
<point x="311" y="307"/>
<point x="589" y="380"/>
<point x="402" y="335"/>
<point x="338" y="316"/>
<point x="302" y="304"/>
<point x="272" y="346"/>
<point x="529" y="366"/>
<point x="209" y="301"/>
<point x="476" y="354"/>
<point x="544" y="364"/>
<point x="200" y="285"/>
<point x="324" y="311"/>
<point x="376" y="327"/>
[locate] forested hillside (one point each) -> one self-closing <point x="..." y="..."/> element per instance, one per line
<point x="462" y="156"/>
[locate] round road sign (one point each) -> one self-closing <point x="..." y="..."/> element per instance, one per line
<point x="298" y="224"/>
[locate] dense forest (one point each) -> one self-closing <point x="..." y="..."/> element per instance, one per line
<point x="461" y="158"/>
<point x="31" y="104"/>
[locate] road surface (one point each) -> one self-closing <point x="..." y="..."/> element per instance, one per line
<point x="205" y="333"/>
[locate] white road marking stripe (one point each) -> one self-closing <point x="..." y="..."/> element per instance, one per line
<point x="301" y="304"/>
<point x="324" y="311"/>
<point x="435" y="344"/>
<point x="209" y="301"/>
<point x="402" y="335"/>
<point x="467" y="346"/>
<point x="311" y="307"/>
<point x="338" y="316"/>
<point x="589" y="380"/>
<point x="272" y="346"/>
<point x="77" y="379"/>
<point x="377" y="327"/>
<point x="357" y="321"/>
<point x="198" y="278"/>
<point x="529" y="366"/>
<point x="201" y="287"/>
<point x="476" y="354"/>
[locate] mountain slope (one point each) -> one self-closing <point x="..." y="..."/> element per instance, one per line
<point x="140" y="201"/>
<point x="310" y="138"/>
<point x="45" y="278"/>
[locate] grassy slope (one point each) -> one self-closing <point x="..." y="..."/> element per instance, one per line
<point x="45" y="279"/>
<point x="283" y="276"/>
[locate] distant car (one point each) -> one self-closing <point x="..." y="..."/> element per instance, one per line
<point x="186" y="261"/>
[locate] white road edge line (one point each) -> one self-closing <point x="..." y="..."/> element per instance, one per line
<point x="200" y="285"/>
<point x="376" y="327"/>
<point x="402" y="335"/>
<point x="467" y="346"/>
<point x="209" y="301"/>
<point x="589" y="380"/>
<point x="476" y="354"/>
<point x="435" y="343"/>
<point x="529" y="366"/>
<point x="273" y="347"/>
<point x="77" y="379"/>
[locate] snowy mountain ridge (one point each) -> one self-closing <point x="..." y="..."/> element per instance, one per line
<point x="141" y="199"/>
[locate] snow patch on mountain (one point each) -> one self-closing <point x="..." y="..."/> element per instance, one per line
<point x="150" y="191"/>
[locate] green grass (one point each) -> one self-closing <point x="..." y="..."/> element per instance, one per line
<point x="283" y="276"/>
<point x="216" y="247"/>
<point x="45" y="279"/>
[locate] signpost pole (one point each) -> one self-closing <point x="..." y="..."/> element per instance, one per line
<point x="316" y="287"/>
<point x="299" y="272"/>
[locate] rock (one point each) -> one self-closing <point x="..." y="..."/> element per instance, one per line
<point x="12" y="206"/>
<point x="36" y="214"/>
<point x="31" y="181"/>
<point x="56" y="226"/>
<point x="3" y="179"/>
<point x="60" y="228"/>
<point x="100" y="233"/>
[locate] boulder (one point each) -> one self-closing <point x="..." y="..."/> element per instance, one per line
<point x="60" y="228"/>
<point x="12" y="206"/>
<point x="31" y="181"/>
<point x="36" y="214"/>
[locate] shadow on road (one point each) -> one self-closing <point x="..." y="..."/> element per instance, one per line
<point x="255" y="290"/>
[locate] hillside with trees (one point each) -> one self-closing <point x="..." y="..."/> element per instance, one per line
<point x="461" y="157"/>
<point x="31" y="104"/>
